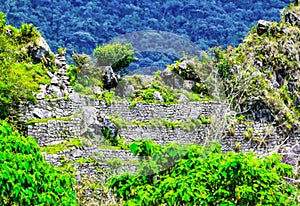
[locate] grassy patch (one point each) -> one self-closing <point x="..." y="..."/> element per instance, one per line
<point x="35" y="121"/>
<point x="54" y="149"/>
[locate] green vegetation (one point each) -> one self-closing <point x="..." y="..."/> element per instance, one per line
<point x="116" y="55"/>
<point x="248" y="133"/>
<point x="201" y="72"/>
<point x="114" y="141"/>
<point x="187" y="125"/>
<point x="196" y="175"/>
<point x="85" y="75"/>
<point x="53" y="149"/>
<point x="42" y="120"/>
<point x="26" y="178"/>
<point x="262" y="72"/>
<point x="146" y="90"/>
<point x="260" y="75"/>
<point x="18" y="67"/>
<point x="20" y="72"/>
<point x="108" y="97"/>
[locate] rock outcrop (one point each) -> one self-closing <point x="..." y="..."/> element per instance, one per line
<point x="60" y="85"/>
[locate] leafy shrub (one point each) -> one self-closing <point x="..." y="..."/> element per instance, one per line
<point x="27" y="32"/>
<point x="26" y="178"/>
<point x="2" y="20"/>
<point x="108" y="97"/>
<point x="115" y="55"/>
<point x="72" y="74"/>
<point x="147" y="94"/>
<point x="196" y="175"/>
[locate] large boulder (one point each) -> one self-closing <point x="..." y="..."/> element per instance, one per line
<point x="110" y="79"/>
<point x="40" y="50"/>
<point x="292" y="18"/>
<point x="93" y="124"/>
<point x="263" y="27"/>
<point x="90" y="126"/>
<point x="158" y="96"/>
<point x="172" y="79"/>
<point x="188" y="69"/>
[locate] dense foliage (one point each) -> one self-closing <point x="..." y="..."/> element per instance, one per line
<point x="26" y="178"/>
<point x="116" y="55"/>
<point x="195" y="175"/>
<point x="79" y="25"/>
<point x="20" y="72"/>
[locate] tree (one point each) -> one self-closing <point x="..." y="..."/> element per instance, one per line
<point x="116" y="55"/>
<point x="26" y="178"/>
<point x="296" y="2"/>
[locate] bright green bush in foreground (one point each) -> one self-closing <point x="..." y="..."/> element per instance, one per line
<point x="195" y="175"/>
<point x="26" y="178"/>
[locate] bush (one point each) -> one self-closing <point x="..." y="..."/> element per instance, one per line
<point x="26" y="178"/>
<point x="195" y="175"/>
<point x="2" y="20"/>
<point x="115" y="55"/>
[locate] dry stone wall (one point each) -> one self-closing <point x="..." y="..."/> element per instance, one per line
<point x="55" y="129"/>
<point x="84" y="113"/>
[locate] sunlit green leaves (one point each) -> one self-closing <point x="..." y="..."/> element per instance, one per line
<point x="26" y="178"/>
<point x="20" y="75"/>
<point x="116" y="55"/>
<point x="195" y="175"/>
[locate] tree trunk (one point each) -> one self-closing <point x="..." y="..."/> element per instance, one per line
<point x="296" y="2"/>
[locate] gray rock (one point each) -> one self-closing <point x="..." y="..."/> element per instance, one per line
<point x="158" y="96"/>
<point x="89" y="117"/>
<point x="171" y="79"/>
<point x="74" y="97"/>
<point x="123" y="89"/>
<point x="263" y="27"/>
<point x="56" y="91"/>
<point x="110" y="79"/>
<point x="296" y="149"/>
<point x="40" y="113"/>
<point x="129" y="90"/>
<point x="55" y="80"/>
<point x="97" y="89"/>
<point x="41" y="50"/>
<point x="188" y="84"/>
<point x="40" y="96"/>
<point x="59" y="111"/>
<point x="183" y="65"/>
<point x="182" y="98"/>
<point x="40" y="53"/>
<point x="58" y="63"/>
<point x="293" y="19"/>
<point x="107" y="124"/>
<point x="90" y="125"/>
<point x="50" y="74"/>
<point x="189" y="68"/>
<point x="61" y="72"/>
<point x="76" y="153"/>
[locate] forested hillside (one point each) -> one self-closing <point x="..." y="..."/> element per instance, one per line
<point x="79" y="25"/>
